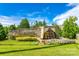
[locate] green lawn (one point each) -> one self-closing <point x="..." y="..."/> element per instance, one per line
<point x="21" y="48"/>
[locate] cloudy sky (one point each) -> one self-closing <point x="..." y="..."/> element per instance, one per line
<point x="12" y="13"/>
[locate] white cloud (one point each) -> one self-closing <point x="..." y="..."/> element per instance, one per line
<point x="39" y="18"/>
<point x="59" y="19"/>
<point x="72" y="4"/>
<point x="9" y="20"/>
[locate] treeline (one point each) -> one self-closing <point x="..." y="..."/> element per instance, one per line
<point x="69" y="28"/>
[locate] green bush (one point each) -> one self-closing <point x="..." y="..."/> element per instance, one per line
<point x="2" y="33"/>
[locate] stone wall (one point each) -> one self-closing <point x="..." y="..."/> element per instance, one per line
<point x="39" y="32"/>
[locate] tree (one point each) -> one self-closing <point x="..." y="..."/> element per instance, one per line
<point x="6" y="29"/>
<point x="12" y="27"/>
<point x="70" y="27"/>
<point x="24" y="23"/>
<point x="57" y="29"/>
<point x="44" y="23"/>
<point x="2" y="33"/>
<point x="39" y="23"/>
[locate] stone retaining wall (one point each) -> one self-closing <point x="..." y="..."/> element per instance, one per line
<point x="60" y="41"/>
<point x="63" y="41"/>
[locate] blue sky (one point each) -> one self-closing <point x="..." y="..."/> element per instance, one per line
<point x="12" y="13"/>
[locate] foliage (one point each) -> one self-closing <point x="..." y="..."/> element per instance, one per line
<point x="2" y="33"/>
<point x="44" y="23"/>
<point x="40" y="23"/>
<point x="24" y="23"/>
<point x="6" y="29"/>
<point x="12" y="27"/>
<point x="70" y="27"/>
<point x="57" y="29"/>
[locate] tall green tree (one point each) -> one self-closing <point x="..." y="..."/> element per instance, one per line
<point x="24" y="23"/>
<point x="44" y="23"/>
<point x="12" y="27"/>
<point x="7" y="30"/>
<point x="40" y="23"/>
<point x="2" y="33"/>
<point x="70" y="27"/>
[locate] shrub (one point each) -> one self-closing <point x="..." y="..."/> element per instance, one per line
<point x="2" y="33"/>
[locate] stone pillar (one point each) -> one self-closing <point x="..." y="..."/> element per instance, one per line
<point x="42" y="32"/>
<point x="41" y="36"/>
<point x="77" y="38"/>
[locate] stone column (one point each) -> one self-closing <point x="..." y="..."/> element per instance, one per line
<point x="42" y="32"/>
<point x="77" y="38"/>
<point x="40" y="39"/>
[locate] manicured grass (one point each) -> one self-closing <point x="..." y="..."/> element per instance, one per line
<point x="26" y="48"/>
